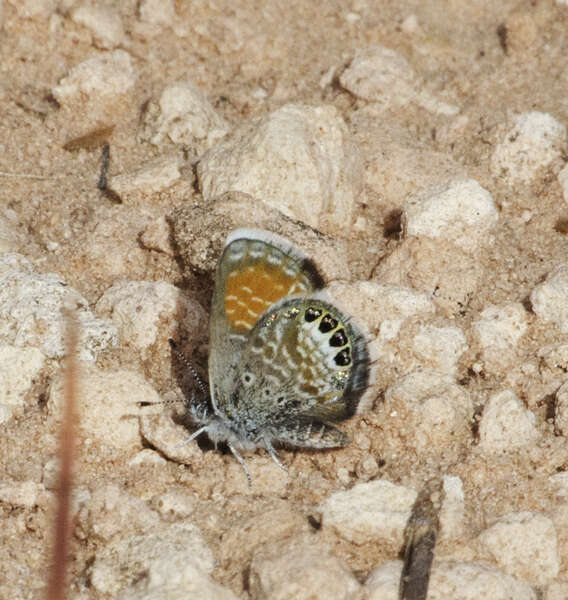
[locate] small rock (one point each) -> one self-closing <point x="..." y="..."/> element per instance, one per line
<point x="499" y="330"/>
<point x="440" y="348"/>
<point x="449" y="275"/>
<point x="458" y="581"/>
<point x="382" y="512"/>
<point x="387" y="306"/>
<point x="103" y="22"/>
<point x="534" y="142"/>
<point x="31" y="315"/>
<point x="524" y="545"/>
<point x="561" y="410"/>
<point x="506" y="424"/>
<point x="24" y="494"/>
<point x="148" y="313"/>
<point x="152" y="177"/>
<point x="32" y="9"/>
<point x="157" y="12"/>
<point x="107" y="405"/>
<point x="107" y="75"/>
<point x="381" y="75"/>
<point x="111" y="511"/>
<point x="19" y="368"/>
<point x="147" y="457"/>
<point x="550" y="298"/>
<point x="298" y="159"/>
<point x="201" y="253"/>
<point x="297" y="569"/>
<point x="170" y="556"/>
<point x="460" y="212"/>
<point x="157" y="237"/>
<point x="452" y="513"/>
<point x="183" y="116"/>
<point x="174" y="504"/>
<point x="9" y="235"/>
<point x="557" y="590"/>
<point x="430" y="411"/>
<point x="563" y="180"/>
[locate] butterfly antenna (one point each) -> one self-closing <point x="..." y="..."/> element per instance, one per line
<point x="181" y="357"/>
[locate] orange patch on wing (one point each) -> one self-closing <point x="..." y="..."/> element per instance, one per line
<point x="251" y="291"/>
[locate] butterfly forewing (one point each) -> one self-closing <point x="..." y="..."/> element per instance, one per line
<point x="255" y="271"/>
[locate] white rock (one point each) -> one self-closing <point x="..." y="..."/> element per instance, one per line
<point x="19" y="367"/>
<point x="157" y="12"/>
<point x="12" y="261"/>
<point x="24" y="494"/>
<point x="506" y="424"/>
<point x="550" y="298"/>
<point x="524" y="545"/>
<point x="105" y="76"/>
<point x="112" y="512"/>
<point x="460" y="212"/>
<point x="557" y="590"/>
<point x="31" y="315"/>
<point x="381" y="515"/>
<point x="31" y="9"/>
<point x="451" y="580"/>
<point x="107" y="405"/>
<point x="300" y="570"/>
<point x="430" y="410"/>
<point x="561" y="410"/>
<point x="298" y="159"/>
<point x="103" y="22"/>
<point x="170" y="557"/>
<point x="534" y="142"/>
<point x="185" y="117"/>
<point x="381" y="75"/>
<point x="152" y="177"/>
<point x="440" y="348"/>
<point x="499" y="329"/>
<point x="377" y="304"/>
<point x="563" y="177"/>
<point x="177" y="504"/>
<point x="147" y="457"/>
<point x="9" y="235"/>
<point x="157" y="237"/>
<point x="149" y="312"/>
<point x="452" y="513"/>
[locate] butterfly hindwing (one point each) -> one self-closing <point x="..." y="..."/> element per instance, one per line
<point x="304" y="366"/>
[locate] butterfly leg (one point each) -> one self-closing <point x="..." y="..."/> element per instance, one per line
<point x="193" y="436"/>
<point x="241" y="461"/>
<point x="270" y="448"/>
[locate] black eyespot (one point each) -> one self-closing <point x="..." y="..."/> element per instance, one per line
<point x="327" y="324"/>
<point x="342" y="359"/>
<point x="247" y="378"/>
<point x="338" y="339"/>
<point x="267" y="392"/>
<point x="312" y="314"/>
<point x="280" y="400"/>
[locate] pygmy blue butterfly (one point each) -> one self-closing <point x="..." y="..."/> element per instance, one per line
<point x="285" y="364"/>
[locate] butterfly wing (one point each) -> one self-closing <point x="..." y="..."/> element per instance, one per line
<point x="305" y="366"/>
<point x="257" y="269"/>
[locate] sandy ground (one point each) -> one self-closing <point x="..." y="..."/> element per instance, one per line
<point x="443" y="116"/>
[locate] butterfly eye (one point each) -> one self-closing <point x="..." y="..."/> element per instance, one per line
<point x="247" y="379"/>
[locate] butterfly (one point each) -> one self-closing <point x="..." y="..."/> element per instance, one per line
<point x="285" y="364"/>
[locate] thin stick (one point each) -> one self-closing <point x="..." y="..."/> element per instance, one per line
<point x="56" y="589"/>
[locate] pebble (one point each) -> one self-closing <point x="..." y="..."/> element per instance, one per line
<point x="524" y="545"/>
<point x="382" y="512"/>
<point x="298" y="159"/>
<point x="549" y="299"/>
<point x="506" y="425"/>
<point x="534" y="142"/>
<point x="460" y="212"/>
<point x="440" y="348"/>
<point x="104" y="23"/>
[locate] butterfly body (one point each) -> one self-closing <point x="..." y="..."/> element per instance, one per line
<point x="285" y="364"/>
